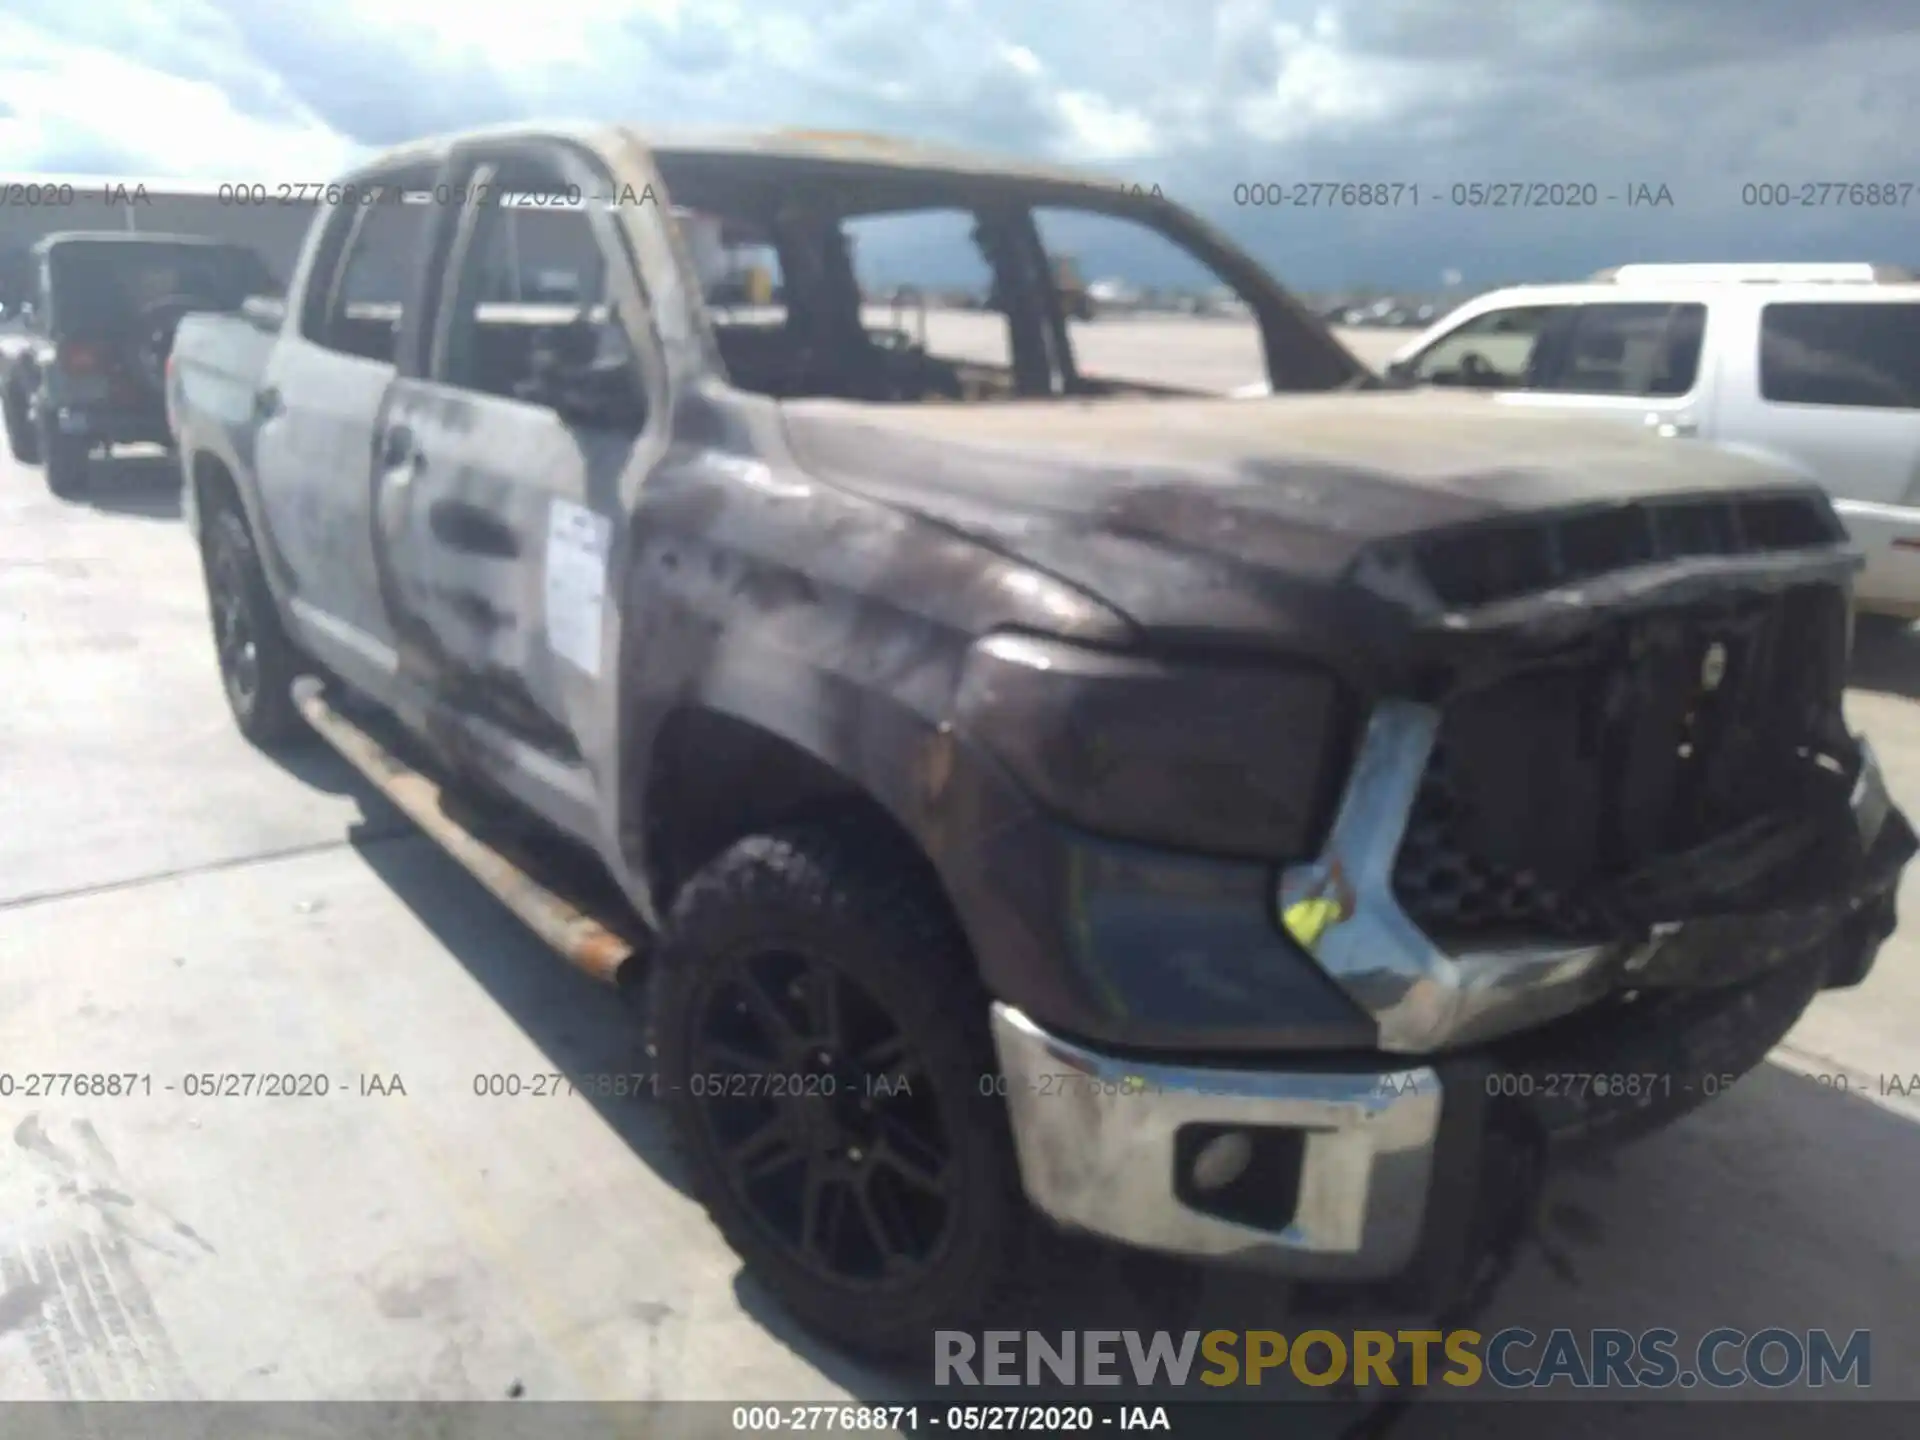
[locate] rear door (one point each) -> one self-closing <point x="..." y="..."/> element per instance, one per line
<point x="1634" y="361"/>
<point x="502" y="462"/>
<point x="316" y="412"/>
<point x="1835" y="385"/>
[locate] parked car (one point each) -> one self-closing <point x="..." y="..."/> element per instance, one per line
<point x="83" y="368"/>
<point x="1113" y="296"/>
<point x="1817" y="367"/>
<point x="1210" y="825"/>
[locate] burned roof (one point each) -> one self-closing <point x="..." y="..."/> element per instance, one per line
<point x="853" y="148"/>
<point x="842" y="150"/>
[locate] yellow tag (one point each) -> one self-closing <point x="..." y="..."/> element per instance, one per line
<point x="1307" y="920"/>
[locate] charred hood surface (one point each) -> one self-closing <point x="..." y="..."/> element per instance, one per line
<point x="1346" y="525"/>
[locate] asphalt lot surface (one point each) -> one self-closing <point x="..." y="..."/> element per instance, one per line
<point x="175" y="904"/>
<point x="1213" y="354"/>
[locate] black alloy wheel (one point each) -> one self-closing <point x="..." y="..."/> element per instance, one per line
<point x="822" y="1043"/>
<point x="810" y="1104"/>
<point x="233" y="633"/>
<point x="257" y="660"/>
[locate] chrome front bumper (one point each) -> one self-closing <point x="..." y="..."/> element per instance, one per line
<point x="1342" y="911"/>
<point x="1096" y="1138"/>
<point x="1100" y="1138"/>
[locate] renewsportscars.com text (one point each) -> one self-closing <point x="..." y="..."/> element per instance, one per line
<point x="1510" y="1359"/>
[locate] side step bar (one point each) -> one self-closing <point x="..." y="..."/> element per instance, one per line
<point x="582" y="940"/>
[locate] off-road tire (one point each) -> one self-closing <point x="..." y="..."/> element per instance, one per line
<point x="22" y="440"/>
<point x="842" y="893"/>
<point x="264" y="709"/>
<point x="65" y="459"/>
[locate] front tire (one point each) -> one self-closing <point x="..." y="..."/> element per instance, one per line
<point x="258" y="663"/>
<point x="821" y="1039"/>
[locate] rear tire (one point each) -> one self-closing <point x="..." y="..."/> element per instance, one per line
<point x="64" y="458"/>
<point x="21" y="439"/>
<point x="817" y="951"/>
<point x="258" y="663"/>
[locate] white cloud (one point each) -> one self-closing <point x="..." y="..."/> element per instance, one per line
<point x="1100" y="132"/>
<point x="1322" y="85"/>
<point x="79" y="104"/>
<point x="1023" y="60"/>
<point x="1196" y="96"/>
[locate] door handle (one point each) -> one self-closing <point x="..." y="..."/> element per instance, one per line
<point x="1670" y="427"/>
<point x="396" y="448"/>
<point x="462" y="526"/>
<point x="266" y="403"/>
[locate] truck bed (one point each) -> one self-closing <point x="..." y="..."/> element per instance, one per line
<point x="218" y="361"/>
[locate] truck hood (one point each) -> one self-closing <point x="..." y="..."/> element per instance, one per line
<point x="1242" y="518"/>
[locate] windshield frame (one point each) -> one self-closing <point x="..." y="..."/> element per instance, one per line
<point x="1300" y="351"/>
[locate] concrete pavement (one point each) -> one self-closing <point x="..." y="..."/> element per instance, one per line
<point x="1216" y="353"/>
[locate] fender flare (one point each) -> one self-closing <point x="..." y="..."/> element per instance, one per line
<point x="912" y="766"/>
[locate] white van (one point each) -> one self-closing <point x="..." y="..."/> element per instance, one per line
<point x="1818" y="365"/>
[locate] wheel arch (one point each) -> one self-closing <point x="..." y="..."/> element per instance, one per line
<point x="214" y="485"/>
<point x="718" y="770"/>
<point x="214" y="479"/>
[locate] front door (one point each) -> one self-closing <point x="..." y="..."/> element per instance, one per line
<point x="1638" y="362"/>
<point x="501" y="465"/>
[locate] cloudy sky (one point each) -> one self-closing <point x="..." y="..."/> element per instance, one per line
<point x="1701" y="96"/>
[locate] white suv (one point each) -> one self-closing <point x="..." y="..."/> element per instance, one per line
<point x="1818" y="365"/>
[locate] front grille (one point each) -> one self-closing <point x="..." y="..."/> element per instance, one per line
<point x="1454" y="892"/>
<point x="1554" y="793"/>
<point x="1483" y="564"/>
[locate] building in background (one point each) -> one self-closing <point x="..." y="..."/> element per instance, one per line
<point x="255" y="216"/>
<point x="273" y="219"/>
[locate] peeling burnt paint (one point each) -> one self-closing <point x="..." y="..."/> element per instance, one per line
<point x="1229" y="528"/>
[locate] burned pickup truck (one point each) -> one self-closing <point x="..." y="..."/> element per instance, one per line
<point x="84" y="367"/>
<point x="1213" y="825"/>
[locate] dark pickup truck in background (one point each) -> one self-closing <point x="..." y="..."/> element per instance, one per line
<point x="90" y="322"/>
<point x="1211" y="824"/>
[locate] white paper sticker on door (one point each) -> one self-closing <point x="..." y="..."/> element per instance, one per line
<point x="578" y="542"/>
